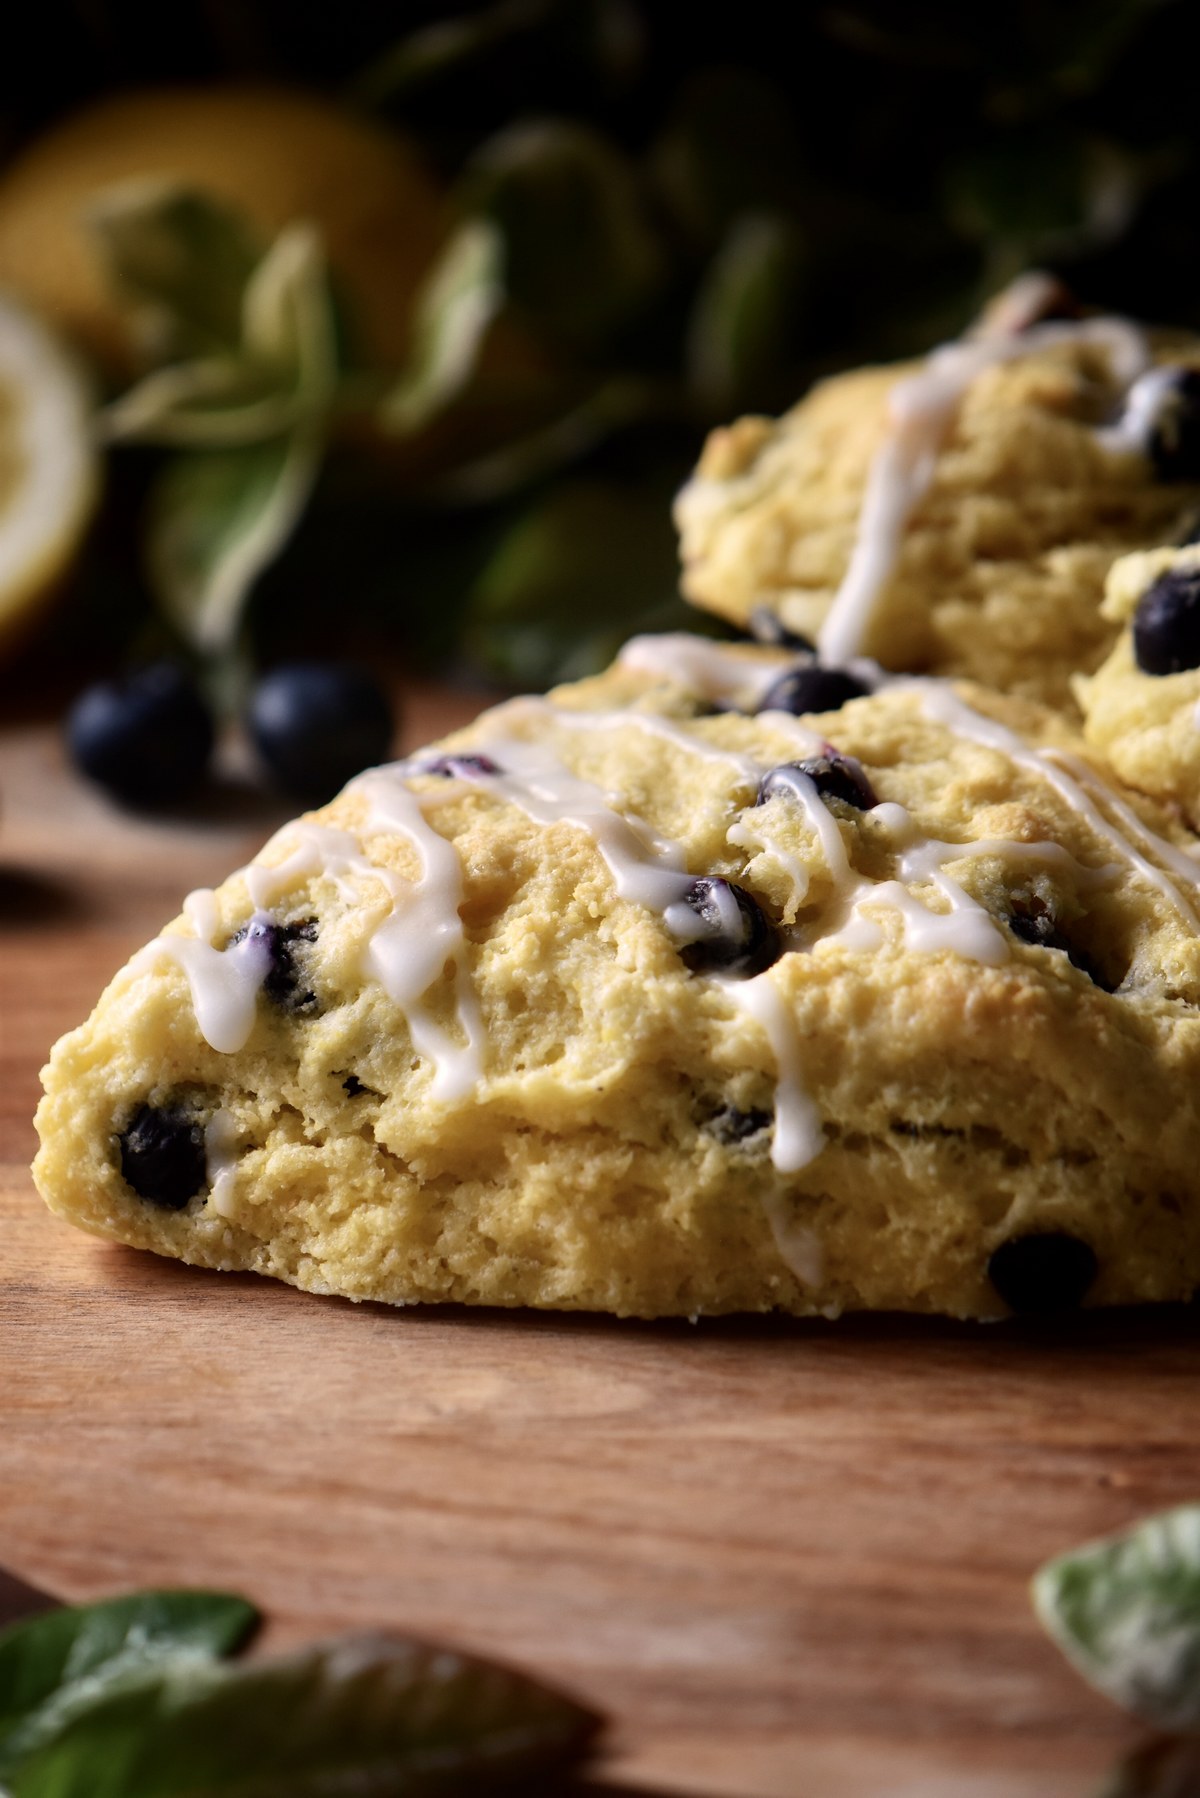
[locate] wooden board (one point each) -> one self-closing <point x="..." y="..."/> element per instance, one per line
<point x="784" y="1558"/>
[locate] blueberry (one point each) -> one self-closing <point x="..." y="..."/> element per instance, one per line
<point x="1166" y="625"/>
<point x="1040" y="1274"/>
<point x="282" y="983"/>
<point x="1032" y="921"/>
<point x="834" y="776"/>
<point x="730" y="1125"/>
<point x="723" y="931"/>
<point x="1173" y="438"/>
<point x="162" y="1156"/>
<point x="767" y="627"/>
<point x="810" y="688"/>
<point x="458" y="767"/>
<point x="315" y="724"/>
<point x="146" y="736"/>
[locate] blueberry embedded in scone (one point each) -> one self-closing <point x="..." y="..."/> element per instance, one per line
<point x="1141" y="708"/>
<point x="622" y="1003"/>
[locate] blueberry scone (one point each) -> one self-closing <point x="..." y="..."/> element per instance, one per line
<point x="1142" y="707"/>
<point x="959" y="515"/>
<point x="673" y="995"/>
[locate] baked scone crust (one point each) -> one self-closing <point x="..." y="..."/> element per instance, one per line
<point x="630" y="1141"/>
<point x="1001" y="569"/>
<point x="1147" y="726"/>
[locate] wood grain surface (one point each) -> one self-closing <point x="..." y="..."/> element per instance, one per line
<point x="784" y="1558"/>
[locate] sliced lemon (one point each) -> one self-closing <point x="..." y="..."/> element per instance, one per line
<point x="49" y="469"/>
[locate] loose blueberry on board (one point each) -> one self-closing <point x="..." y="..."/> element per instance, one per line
<point x="315" y="724"/>
<point x="723" y="931"/>
<point x="834" y="776"/>
<point x="458" y="767"/>
<point x="767" y="627"/>
<point x="282" y="983"/>
<point x="729" y="1125"/>
<point x="810" y="688"/>
<point x="1166" y="625"/>
<point x="1043" y="1273"/>
<point x="1174" y="440"/>
<point x="162" y="1156"/>
<point x="146" y="737"/>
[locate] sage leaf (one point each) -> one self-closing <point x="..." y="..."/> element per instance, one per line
<point x="1126" y="1613"/>
<point x="283" y="367"/>
<point x="743" y="324"/>
<point x="58" y="1662"/>
<point x="539" y="613"/>
<point x="217" y="518"/>
<point x="458" y="302"/>
<point x="287" y="315"/>
<point x="582" y="257"/>
<point x="181" y="259"/>
<point x="202" y="404"/>
<point x="372" y="1716"/>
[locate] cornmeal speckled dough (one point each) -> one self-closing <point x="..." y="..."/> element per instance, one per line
<point x="1147" y="725"/>
<point x="1001" y="570"/>
<point x="619" y="1150"/>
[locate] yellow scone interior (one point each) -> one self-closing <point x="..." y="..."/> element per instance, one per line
<point x="654" y="998"/>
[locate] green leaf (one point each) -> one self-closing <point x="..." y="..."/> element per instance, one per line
<point x="572" y="579"/>
<point x="458" y="302"/>
<point x="744" y="321"/>
<point x="1126" y="1613"/>
<point x="1049" y="190"/>
<point x="287" y="315"/>
<point x="282" y="368"/>
<point x="217" y="519"/>
<point x="203" y="404"/>
<point x="181" y="259"/>
<point x="371" y="1716"/>
<point x="55" y="1664"/>
<point x="436" y="50"/>
<point x="729" y="147"/>
<point x="581" y="256"/>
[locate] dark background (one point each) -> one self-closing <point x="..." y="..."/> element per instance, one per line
<point x="902" y="162"/>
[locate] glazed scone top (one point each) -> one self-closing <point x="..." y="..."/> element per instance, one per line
<point x="1141" y="708"/>
<point x="979" y="832"/>
<point x="957" y="515"/>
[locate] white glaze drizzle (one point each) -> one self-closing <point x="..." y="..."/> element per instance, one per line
<point x="703" y="666"/>
<point x="422" y="936"/>
<point x="1132" y="431"/>
<point x="1074" y="782"/>
<point x="221" y="1161"/>
<point x="224" y="983"/>
<point x="921" y="412"/>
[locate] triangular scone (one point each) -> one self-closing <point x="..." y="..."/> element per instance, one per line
<point x="625" y="1002"/>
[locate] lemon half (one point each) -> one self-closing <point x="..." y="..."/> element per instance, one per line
<point x="277" y="154"/>
<point x="49" y="468"/>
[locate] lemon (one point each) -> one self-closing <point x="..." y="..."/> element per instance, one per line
<point x="49" y="476"/>
<point x="278" y="154"/>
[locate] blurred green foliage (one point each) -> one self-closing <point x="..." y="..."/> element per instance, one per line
<point x="699" y="212"/>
